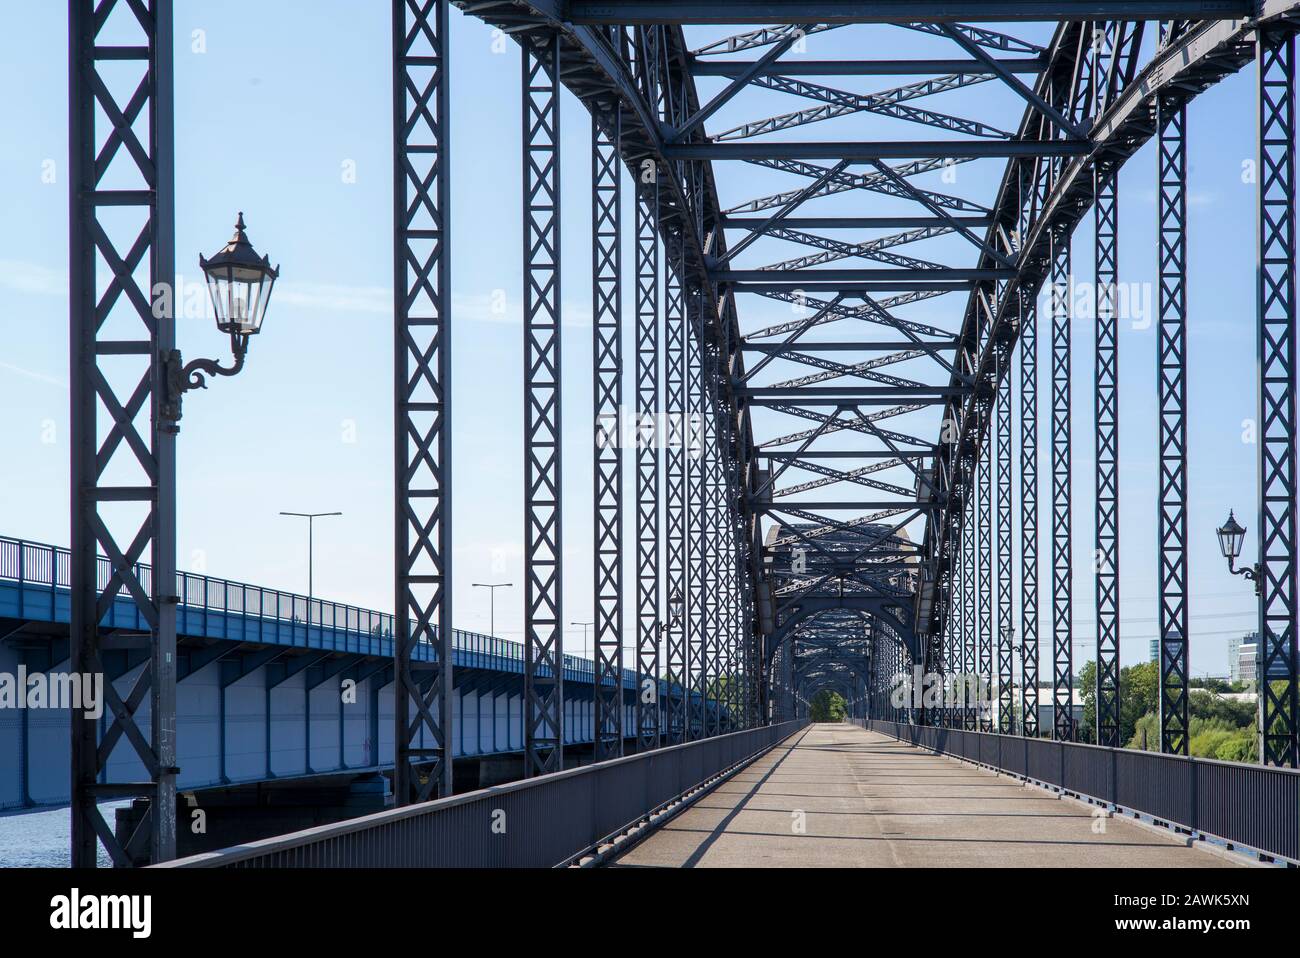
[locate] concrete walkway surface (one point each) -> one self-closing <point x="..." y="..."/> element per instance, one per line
<point x="839" y="796"/>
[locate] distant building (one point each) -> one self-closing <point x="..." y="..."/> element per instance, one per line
<point x="1243" y="658"/>
<point x="1153" y="649"/>
<point x="1047" y="710"/>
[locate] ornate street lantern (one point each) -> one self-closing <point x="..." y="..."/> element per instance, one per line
<point x="240" y="284"/>
<point x="1231" y="536"/>
<point x="675" y="607"/>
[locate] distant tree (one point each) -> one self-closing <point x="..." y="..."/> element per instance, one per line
<point x="1088" y="684"/>
<point x="828" y="706"/>
<point x="1242" y="746"/>
<point x="1215" y="738"/>
<point x="1139" y="693"/>
<point x="1204" y="704"/>
<point x="1221" y="738"/>
<point x="1146" y="733"/>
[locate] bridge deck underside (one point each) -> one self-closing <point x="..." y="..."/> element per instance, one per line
<point x="870" y="801"/>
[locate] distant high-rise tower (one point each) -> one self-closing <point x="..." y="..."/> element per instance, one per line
<point x="1243" y="658"/>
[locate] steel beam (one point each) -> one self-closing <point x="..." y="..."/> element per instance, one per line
<point x="543" y="618"/>
<point x="1172" y="532"/>
<point x="696" y="504"/>
<point x="123" y="478"/>
<point x="1106" y="413"/>
<point x="607" y="459"/>
<point x="893" y="11"/>
<point x="1002" y="449"/>
<point x="648" y="623"/>
<point x="1028" y="351"/>
<point x="804" y="67"/>
<point x="422" y="401"/>
<point x="1275" y="53"/>
<point x="1062" y="609"/>
<point x="983" y="503"/>
<point x="856" y="222"/>
<point x="970" y="621"/>
<point x="675" y="493"/>
<point x="866" y="151"/>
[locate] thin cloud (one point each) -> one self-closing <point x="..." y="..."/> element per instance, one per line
<point x="488" y="307"/>
<point x="26" y="277"/>
<point x="35" y="375"/>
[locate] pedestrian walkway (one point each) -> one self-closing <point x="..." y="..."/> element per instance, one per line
<point x="838" y="795"/>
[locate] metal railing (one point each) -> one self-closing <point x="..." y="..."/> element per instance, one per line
<point x="1257" y="806"/>
<point x="535" y="823"/>
<point x="350" y="628"/>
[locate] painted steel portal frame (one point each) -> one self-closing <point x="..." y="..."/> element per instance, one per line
<point x="1172" y="533"/>
<point x="675" y="485"/>
<point x="543" y="554"/>
<point x="1106" y="411"/>
<point x="422" y="412"/>
<point x="1062" y="587"/>
<point x="607" y="374"/>
<point x="1277" y="400"/>
<point x="124" y="326"/>
<point x="649" y="625"/>
<point x="646" y="109"/>
<point x="1028" y="516"/>
<point x="1002" y="448"/>
<point x="984" y="517"/>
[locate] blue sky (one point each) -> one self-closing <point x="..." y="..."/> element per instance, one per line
<point x="270" y="120"/>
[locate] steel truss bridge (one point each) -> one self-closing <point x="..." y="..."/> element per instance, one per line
<point x="827" y="511"/>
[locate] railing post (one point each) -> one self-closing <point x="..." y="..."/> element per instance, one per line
<point x="1114" y="776"/>
<point x="1195" y="823"/>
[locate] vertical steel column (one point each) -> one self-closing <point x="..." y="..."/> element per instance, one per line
<point x="957" y="641"/>
<point x="961" y="618"/>
<point x="123" y="483"/>
<point x="710" y="480"/>
<point x="1006" y="669"/>
<point x="543" y="619"/>
<point x="422" y="401"/>
<point x="709" y="645"/>
<point x="1171" y="536"/>
<point x="1106" y="557"/>
<point x="648" y="621"/>
<point x="696" y="503"/>
<point x="983" y="502"/>
<point x="1275" y="52"/>
<point x="726" y="682"/>
<point x="675" y="483"/>
<point x="1062" y="612"/>
<point x="607" y="384"/>
<point x="737" y="685"/>
<point x="1029" y="516"/>
<point x="971" y="613"/>
<point x="1062" y="608"/>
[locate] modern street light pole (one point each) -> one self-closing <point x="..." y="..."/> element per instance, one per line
<point x="311" y="518"/>
<point x="492" y="604"/>
<point x="584" y="635"/>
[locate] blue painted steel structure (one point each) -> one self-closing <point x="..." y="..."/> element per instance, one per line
<point x="781" y="594"/>
<point x="246" y="652"/>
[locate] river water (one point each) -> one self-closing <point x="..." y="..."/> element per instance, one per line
<point x="40" y="839"/>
